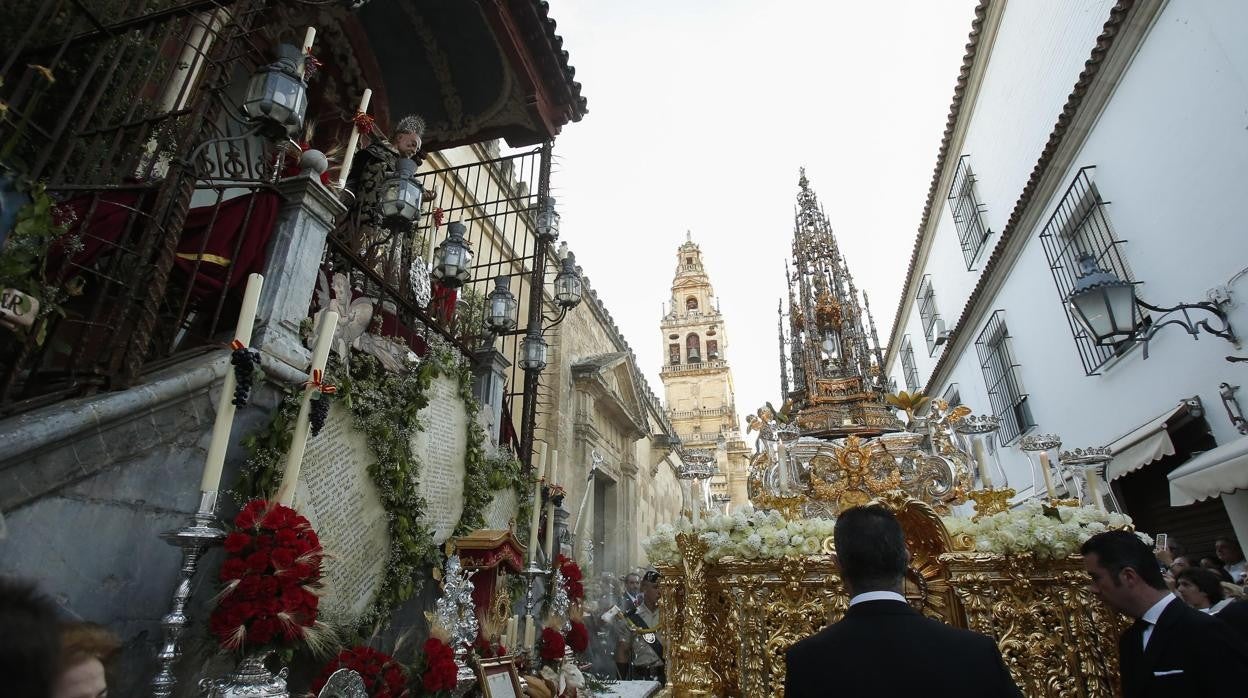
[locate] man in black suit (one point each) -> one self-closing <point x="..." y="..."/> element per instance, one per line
<point x="883" y="647"/>
<point x="1172" y="650"/>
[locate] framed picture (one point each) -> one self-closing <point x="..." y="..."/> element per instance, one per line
<point x="498" y="677"/>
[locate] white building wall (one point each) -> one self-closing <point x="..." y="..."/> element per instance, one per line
<point x="1171" y="156"/>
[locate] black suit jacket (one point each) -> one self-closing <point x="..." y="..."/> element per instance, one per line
<point x="1235" y="614"/>
<point x="885" y="648"/>
<point x="1190" y="653"/>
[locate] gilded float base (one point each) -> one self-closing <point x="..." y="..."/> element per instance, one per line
<point x="989" y="502"/>
<point x="1063" y="502"/>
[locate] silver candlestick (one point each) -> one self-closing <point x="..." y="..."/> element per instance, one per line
<point x="194" y="538"/>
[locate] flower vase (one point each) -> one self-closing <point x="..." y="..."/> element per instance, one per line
<point x="250" y="679"/>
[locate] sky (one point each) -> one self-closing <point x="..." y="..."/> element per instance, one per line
<point x="701" y="113"/>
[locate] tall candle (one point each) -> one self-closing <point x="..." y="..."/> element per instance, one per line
<point x="781" y="458"/>
<point x="1094" y="488"/>
<point x="308" y="38"/>
<point x="352" y="141"/>
<point x="537" y="506"/>
<point x="696" y="503"/>
<point x="299" y="440"/>
<point x="528" y="632"/>
<point x="981" y="458"/>
<point x="1048" y="477"/>
<point x="513" y="627"/>
<point x="215" y="462"/>
<point x="554" y="466"/>
<point x="551" y="553"/>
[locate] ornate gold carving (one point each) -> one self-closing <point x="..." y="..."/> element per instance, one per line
<point x="989" y="502"/>
<point x="854" y="474"/>
<point x="694" y="677"/>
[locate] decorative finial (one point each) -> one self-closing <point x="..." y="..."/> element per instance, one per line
<point x="801" y="179"/>
<point x="688" y="235"/>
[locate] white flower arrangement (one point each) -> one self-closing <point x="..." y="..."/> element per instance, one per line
<point x="1048" y="533"/>
<point x="759" y="535"/>
<point x="1031" y="527"/>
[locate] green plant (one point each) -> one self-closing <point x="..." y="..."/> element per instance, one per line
<point x="39" y="228"/>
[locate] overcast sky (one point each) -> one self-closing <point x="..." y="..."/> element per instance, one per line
<point x="701" y="112"/>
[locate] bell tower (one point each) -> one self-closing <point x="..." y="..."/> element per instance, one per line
<point x="697" y="380"/>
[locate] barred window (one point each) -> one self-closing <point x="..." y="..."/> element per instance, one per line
<point x="952" y="395"/>
<point x="1079" y="226"/>
<point x="1005" y="390"/>
<point x="910" y="371"/>
<point x="926" y="301"/>
<point x="673" y="354"/>
<point x="967" y="212"/>
<point x="712" y="349"/>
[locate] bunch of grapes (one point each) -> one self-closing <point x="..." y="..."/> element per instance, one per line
<point x="320" y="411"/>
<point x="245" y="361"/>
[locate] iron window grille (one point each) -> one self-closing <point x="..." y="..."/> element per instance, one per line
<point x="952" y="395"/>
<point x="1005" y="390"/>
<point x="926" y="301"/>
<point x="967" y="213"/>
<point x="1080" y="226"/>
<point x="909" y="370"/>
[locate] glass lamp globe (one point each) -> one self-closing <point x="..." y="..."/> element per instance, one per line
<point x="533" y="352"/>
<point x="1104" y="304"/>
<point x="277" y="94"/>
<point x="400" y="193"/>
<point x="452" y="257"/>
<point x="979" y="439"/>
<point x="502" y="313"/>
<point x="831" y="346"/>
<point x="568" y="284"/>
<point x="548" y="220"/>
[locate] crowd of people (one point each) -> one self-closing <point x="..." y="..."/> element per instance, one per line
<point x="44" y="657"/>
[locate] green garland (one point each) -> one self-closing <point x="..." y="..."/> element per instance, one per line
<point x="385" y="407"/>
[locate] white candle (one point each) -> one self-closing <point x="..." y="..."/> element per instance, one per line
<point x="353" y="141"/>
<point x="982" y="459"/>
<point x="1048" y="478"/>
<point x="1094" y="489"/>
<point x="528" y="632"/>
<point x="308" y="37"/>
<point x="299" y="440"/>
<point x="513" y="626"/>
<point x="554" y="466"/>
<point x="550" y="532"/>
<point x="695" y="503"/>
<point x="781" y="457"/>
<point x="537" y="506"/>
<point x="211" y="479"/>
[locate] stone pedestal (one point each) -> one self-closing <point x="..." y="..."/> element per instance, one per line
<point x="294" y="256"/>
<point x="488" y="385"/>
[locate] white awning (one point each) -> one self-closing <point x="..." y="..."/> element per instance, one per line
<point x="1216" y="472"/>
<point x="1143" y="445"/>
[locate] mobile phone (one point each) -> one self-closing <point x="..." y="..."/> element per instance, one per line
<point x="1162" y="540"/>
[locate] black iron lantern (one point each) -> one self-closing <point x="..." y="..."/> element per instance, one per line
<point x="548" y="220"/>
<point x="1104" y="304"/>
<point x="568" y="285"/>
<point x="533" y="351"/>
<point x="400" y="193"/>
<point x="277" y="94"/>
<point x="452" y="257"/>
<point x="502" y="312"/>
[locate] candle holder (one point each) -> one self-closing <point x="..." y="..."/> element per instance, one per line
<point x="979" y="436"/>
<point x="1042" y="452"/>
<point x="1089" y="464"/>
<point x="197" y="536"/>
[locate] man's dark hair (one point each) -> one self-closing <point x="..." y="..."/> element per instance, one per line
<point x="30" y="642"/>
<point x="1207" y="581"/>
<point x="1120" y="550"/>
<point x="871" y="549"/>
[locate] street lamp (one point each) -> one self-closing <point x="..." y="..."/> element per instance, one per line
<point x="277" y="94"/>
<point x="1108" y="309"/>
<point x="502" y="312"/>
<point x="452" y="257"/>
<point x="533" y="351"/>
<point x="547" y="226"/>
<point x="400" y="194"/>
<point x="568" y="284"/>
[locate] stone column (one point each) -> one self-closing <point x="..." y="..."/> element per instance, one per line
<point x="488" y="384"/>
<point x="294" y="257"/>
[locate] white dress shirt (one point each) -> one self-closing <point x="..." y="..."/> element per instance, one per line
<point x="877" y="596"/>
<point x="1151" y="615"/>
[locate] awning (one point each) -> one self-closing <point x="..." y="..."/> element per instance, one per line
<point x="1145" y="444"/>
<point x="1219" y="471"/>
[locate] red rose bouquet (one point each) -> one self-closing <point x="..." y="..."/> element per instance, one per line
<point x="440" y="672"/>
<point x="552" y="645"/>
<point x="383" y="676"/>
<point x="271" y="570"/>
<point x="577" y="637"/>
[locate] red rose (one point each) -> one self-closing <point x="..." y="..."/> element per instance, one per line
<point x="283" y="559"/>
<point x="258" y="561"/>
<point x="576" y="591"/>
<point x="235" y="542"/>
<point x="578" y="636"/>
<point x="233" y="568"/>
<point x="552" y="645"/>
<point x="286" y="538"/>
<point x="248" y="587"/>
<point x="250" y="514"/>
